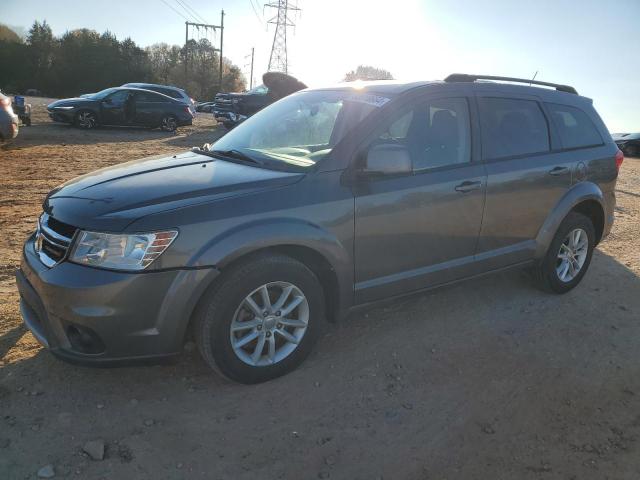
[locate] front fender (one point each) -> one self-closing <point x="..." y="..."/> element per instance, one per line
<point x="576" y="194"/>
<point x="228" y="246"/>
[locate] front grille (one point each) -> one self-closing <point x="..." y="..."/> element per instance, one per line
<point x="53" y="239"/>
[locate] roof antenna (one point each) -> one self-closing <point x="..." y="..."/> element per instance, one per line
<point x="534" y="77"/>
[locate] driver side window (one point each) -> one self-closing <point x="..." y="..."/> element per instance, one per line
<point x="435" y="134"/>
<point x="119" y="97"/>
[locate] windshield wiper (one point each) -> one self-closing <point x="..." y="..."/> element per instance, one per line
<point x="236" y="154"/>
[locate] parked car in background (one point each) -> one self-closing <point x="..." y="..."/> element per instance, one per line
<point x="204" y="107"/>
<point x="170" y="91"/>
<point x="8" y="119"/>
<point x="629" y="143"/>
<point x="122" y="107"/>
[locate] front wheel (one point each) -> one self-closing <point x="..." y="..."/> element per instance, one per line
<point x="569" y="255"/>
<point x="169" y="123"/>
<point x="261" y="320"/>
<point x="86" y="120"/>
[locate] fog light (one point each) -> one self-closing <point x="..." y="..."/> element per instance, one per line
<point x="84" y="340"/>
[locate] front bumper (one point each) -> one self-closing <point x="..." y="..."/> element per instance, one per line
<point x="61" y="116"/>
<point x="101" y="317"/>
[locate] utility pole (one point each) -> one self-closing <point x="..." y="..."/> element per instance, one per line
<point x="206" y="27"/>
<point x="251" y="79"/>
<point x="186" y="48"/>
<point x="221" y="38"/>
<point x="278" y="58"/>
<point x="245" y="66"/>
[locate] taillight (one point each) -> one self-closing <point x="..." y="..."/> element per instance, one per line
<point x="619" y="159"/>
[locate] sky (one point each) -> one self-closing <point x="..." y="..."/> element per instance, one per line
<point x="592" y="45"/>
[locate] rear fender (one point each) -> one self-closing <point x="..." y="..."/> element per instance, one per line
<point x="576" y="194"/>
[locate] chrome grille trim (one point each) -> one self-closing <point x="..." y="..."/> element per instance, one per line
<point x="50" y="246"/>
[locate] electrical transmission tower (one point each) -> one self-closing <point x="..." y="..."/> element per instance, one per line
<point x="278" y="57"/>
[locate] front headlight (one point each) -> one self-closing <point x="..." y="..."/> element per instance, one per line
<point x="120" y="251"/>
<point x="64" y="108"/>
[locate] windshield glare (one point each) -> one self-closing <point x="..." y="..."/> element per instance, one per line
<point x="301" y="129"/>
<point x="103" y="93"/>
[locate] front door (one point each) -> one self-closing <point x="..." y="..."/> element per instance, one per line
<point x="112" y="108"/>
<point x="420" y="229"/>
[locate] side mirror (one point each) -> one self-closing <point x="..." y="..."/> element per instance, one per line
<point x="387" y="159"/>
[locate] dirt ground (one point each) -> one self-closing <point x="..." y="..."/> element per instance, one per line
<point x="489" y="379"/>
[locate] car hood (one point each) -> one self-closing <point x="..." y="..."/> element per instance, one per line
<point x="112" y="198"/>
<point x="71" y="102"/>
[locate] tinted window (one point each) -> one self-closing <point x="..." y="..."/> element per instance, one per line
<point x="169" y="92"/>
<point x="574" y="126"/>
<point x="512" y="127"/>
<point x="119" y="97"/>
<point x="436" y="134"/>
<point x="149" y="97"/>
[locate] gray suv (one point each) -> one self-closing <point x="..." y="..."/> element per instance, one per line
<point x="326" y="200"/>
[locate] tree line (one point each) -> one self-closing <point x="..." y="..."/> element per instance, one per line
<point x="85" y="61"/>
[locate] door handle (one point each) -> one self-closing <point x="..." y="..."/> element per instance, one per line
<point x="558" y="171"/>
<point x="468" y="186"/>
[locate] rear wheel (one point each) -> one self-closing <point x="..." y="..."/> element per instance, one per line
<point x="86" y="120"/>
<point x="569" y="255"/>
<point x="261" y="320"/>
<point x="169" y="123"/>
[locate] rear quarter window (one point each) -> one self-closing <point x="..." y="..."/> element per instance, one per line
<point x="512" y="127"/>
<point x="575" y="128"/>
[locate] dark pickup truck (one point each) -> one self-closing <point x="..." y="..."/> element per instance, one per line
<point x="233" y="108"/>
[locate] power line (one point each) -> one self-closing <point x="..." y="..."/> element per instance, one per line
<point x="196" y="16"/>
<point x="172" y="8"/>
<point x="256" y="12"/>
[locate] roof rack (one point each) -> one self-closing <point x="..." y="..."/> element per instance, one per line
<point x="463" y="77"/>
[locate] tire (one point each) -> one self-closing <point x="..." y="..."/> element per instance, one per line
<point x="549" y="271"/>
<point x="169" y="123"/>
<point x="85" y="119"/>
<point x="225" y="305"/>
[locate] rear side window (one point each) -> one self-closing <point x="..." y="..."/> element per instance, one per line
<point x="574" y="126"/>
<point x="512" y="127"/>
<point x="149" y="97"/>
<point x="172" y="93"/>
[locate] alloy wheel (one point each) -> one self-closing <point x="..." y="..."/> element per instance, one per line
<point x="169" y="124"/>
<point x="269" y="324"/>
<point x="572" y="255"/>
<point x="86" y="120"/>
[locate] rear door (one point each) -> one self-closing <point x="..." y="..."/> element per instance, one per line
<point x="525" y="177"/>
<point x="420" y="229"/>
<point x="149" y="108"/>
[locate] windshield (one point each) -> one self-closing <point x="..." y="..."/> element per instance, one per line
<point x="301" y="129"/>
<point x="102" y="93"/>
<point x="259" y="90"/>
